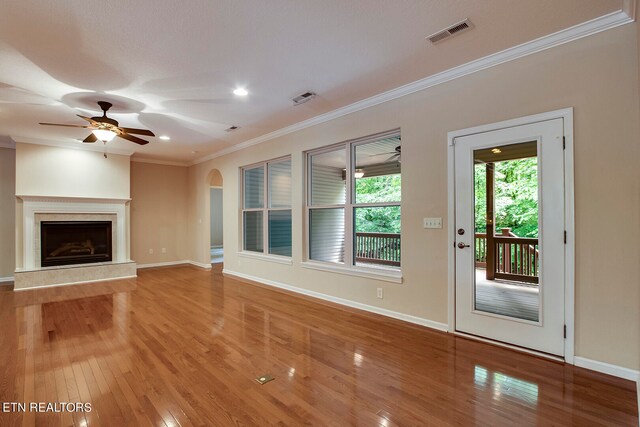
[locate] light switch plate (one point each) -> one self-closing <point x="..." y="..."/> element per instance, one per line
<point x="432" y="222"/>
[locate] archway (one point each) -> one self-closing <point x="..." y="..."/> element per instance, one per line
<point x="216" y="238"/>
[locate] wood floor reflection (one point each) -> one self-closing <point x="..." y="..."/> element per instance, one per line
<point x="183" y="346"/>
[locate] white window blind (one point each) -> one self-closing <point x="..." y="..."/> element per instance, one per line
<point x="267" y="214"/>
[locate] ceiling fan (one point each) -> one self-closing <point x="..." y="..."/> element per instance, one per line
<point x="105" y="129"/>
<point x="395" y="155"/>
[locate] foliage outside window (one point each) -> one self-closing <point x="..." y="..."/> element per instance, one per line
<point x="353" y="202"/>
<point x="515" y="193"/>
<point x="266" y="207"/>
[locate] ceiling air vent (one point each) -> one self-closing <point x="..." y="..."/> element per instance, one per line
<point x="455" y="29"/>
<point x="304" y="97"/>
<point x="231" y="129"/>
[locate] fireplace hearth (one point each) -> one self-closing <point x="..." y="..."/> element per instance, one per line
<point x="75" y="242"/>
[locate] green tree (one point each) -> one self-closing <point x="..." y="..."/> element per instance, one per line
<point x="516" y="196"/>
<point x="378" y="189"/>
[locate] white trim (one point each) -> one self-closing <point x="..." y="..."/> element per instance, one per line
<point x="163" y="264"/>
<point x="200" y="265"/>
<point x="569" y="247"/>
<point x="6" y="279"/>
<point x="10" y="144"/>
<point x="607" y="368"/>
<point x="387" y="276"/>
<point x="159" y="162"/>
<point x="109" y="279"/>
<point x="266" y="257"/>
<point x="629" y="7"/>
<point x="365" y="307"/>
<point x="567" y="115"/>
<point x="567" y="35"/>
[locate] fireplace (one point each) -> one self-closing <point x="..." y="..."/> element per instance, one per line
<point x="75" y="242"/>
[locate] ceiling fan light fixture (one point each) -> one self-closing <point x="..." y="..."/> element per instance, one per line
<point x="104" y="135"/>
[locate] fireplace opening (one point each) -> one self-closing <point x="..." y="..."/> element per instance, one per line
<point x="75" y="242"/>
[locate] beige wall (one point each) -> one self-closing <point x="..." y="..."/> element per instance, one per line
<point x="51" y="171"/>
<point x="7" y="212"/>
<point x="598" y="76"/>
<point x="158" y="213"/>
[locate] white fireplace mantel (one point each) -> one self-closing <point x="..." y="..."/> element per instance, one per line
<point x="33" y="205"/>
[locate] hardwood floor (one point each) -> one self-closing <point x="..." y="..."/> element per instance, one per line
<point x="182" y="346"/>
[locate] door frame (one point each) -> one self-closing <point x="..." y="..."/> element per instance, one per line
<point x="569" y="269"/>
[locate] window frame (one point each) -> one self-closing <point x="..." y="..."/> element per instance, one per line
<point x="265" y="209"/>
<point x="393" y="274"/>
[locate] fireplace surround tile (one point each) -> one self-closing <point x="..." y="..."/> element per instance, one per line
<point x="37" y="209"/>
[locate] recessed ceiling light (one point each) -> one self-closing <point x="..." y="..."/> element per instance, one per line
<point x="164" y="137"/>
<point x="496" y="150"/>
<point x="240" y="91"/>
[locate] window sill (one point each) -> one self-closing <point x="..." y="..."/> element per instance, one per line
<point x="266" y="257"/>
<point x="369" y="273"/>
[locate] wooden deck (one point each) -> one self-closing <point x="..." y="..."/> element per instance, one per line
<point x="520" y="300"/>
<point x="181" y="346"/>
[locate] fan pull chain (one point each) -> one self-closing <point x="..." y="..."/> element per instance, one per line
<point x="105" y="149"/>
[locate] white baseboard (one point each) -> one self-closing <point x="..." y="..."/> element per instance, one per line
<point x="200" y="265"/>
<point x="365" y="307"/>
<point x="162" y="264"/>
<point x="607" y="368"/>
<point x="6" y="279"/>
<point x="172" y="263"/>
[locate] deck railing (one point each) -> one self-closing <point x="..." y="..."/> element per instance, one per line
<point x="516" y="258"/>
<point x="481" y="249"/>
<point x="378" y="248"/>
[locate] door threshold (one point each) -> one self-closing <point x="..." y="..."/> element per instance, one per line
<point x="511" y="347"/>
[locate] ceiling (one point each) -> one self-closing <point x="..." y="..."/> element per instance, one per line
<point x="172" y="66"/>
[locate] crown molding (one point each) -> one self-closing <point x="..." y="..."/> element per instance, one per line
<point x="9" y="145"/>
<point x="160" y="162"/>
<point x="72" y="146"/>
<point x="615" y="19"/>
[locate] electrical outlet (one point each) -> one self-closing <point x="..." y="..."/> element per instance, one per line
<point x="432" y="222"/>
<point x="150" y="251"/>
<point x="164" y="250"/>
<point x="379" y="294"/>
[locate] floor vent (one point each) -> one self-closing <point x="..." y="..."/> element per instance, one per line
<point x="455" y="29"/>
<point x="265" y="379"/>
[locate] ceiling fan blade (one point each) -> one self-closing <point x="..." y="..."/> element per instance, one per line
<point x="90" y="138"/>
<point x="69" y="126"/>
<point x="371" y="156"/>
<point x="138" y="131"/>
<point x="89" y="119"/>
<point x="133" y="138"/>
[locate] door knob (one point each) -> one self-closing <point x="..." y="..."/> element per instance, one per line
<point x="462" y="245"/>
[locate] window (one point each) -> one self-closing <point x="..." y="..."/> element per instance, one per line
<point x="353" y="202"/>
<point x="266" y="215"/>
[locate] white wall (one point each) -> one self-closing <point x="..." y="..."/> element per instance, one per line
<point x="51" y="171"/>
<point x="597" y="75"/>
